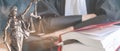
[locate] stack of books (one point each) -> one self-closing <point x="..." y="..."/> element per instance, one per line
<point x="96" y="39"/>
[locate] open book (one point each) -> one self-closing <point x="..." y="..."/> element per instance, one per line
<point x="105" y="39"/>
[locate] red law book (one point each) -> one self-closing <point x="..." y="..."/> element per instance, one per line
<point x="102" y="25"/>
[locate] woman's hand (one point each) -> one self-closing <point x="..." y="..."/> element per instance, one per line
<point x="88" y="16"/>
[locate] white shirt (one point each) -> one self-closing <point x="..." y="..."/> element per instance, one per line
<point x="75" y="7"/>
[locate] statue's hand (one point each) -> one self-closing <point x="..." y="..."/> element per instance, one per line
<point x="4" y="39"/>
<point x="31" y="14"/>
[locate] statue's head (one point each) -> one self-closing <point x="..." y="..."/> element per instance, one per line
<point x="13" y="11"/>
